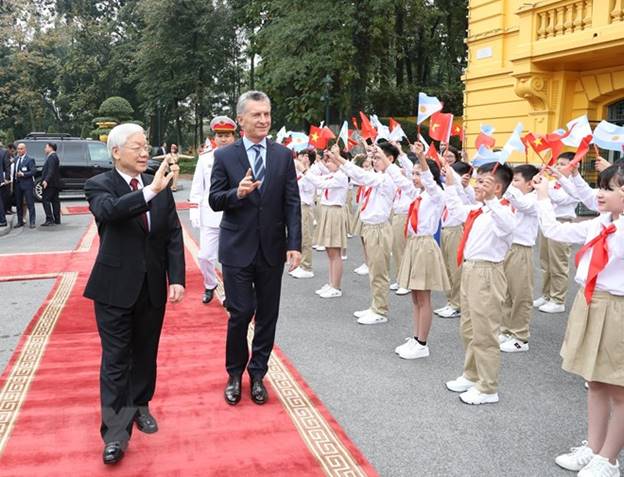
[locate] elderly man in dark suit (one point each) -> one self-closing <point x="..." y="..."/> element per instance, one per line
<point x="140" y="250"/>
<point x="51" y="183"/>
<point x="254" y="183"/>
<point x="24" y="174"/>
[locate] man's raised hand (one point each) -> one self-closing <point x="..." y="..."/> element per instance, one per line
<point x="247" y="185"/>
<point x="161" y="178"/>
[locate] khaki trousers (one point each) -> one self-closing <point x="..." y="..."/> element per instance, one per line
<point x="483" y="288"/>
<point x="555" y="263"/>
<point x="307" y="231"/>
<point x="451" y="237"/>
<point x="378" y="243"/>
<point x="518" y="307"/>
<point x="398" y="240"/>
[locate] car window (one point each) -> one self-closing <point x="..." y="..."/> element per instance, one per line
<point x="98" y="152"/>
<point x="72" y="153"/>
<point x="35" y="149"/>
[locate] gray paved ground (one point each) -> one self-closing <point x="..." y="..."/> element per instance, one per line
<point x="22" y="300"/>
<point x="397" y="412"/>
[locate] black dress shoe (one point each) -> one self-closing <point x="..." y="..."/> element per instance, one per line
<point x="259" y="394"/>
<point x="208" y="295"/>
<point x="145" y="422"/>
<point x="113" y="452"/>
<point x="233" y="390"/>
<point x="47" y="224"/>
<point x="3" y="224"/>
<point x="57" y="222"/>
<point x="18" y="225"/>
<point x="31" y="226"/>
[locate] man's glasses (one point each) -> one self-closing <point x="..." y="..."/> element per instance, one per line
<point x="139" y="149"/>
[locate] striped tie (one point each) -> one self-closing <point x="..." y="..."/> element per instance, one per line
<point x="258" y="164"/>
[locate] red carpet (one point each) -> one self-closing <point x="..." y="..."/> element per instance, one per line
<point x="84" y="209"/>
<point x="49" y="405"/>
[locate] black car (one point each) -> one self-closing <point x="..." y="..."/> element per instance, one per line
<point x="80" y="159"/>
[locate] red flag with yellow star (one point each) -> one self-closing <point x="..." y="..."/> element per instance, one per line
<point x="318" y="138"/>
<point x="440" y="126"/>
<point x="458" y="131"/>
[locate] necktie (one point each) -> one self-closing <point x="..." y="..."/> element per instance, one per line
<point x="472" y="216"/>
<point x="134" y="184"/>
<point x="18" y="166"/>
<point x="599" y="259"/>
<point x="258" y="164"/>
<point x="366" y="195"/>
<point x="412" y="215"/>
<point x="358" y="194"/>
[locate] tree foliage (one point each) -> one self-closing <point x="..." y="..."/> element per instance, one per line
<point x="180" y="61"/>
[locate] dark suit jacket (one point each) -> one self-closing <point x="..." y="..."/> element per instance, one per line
<point x="262" y="218"/>
<point x="5" y="163"/>
<point x="128" y="253"/>
<point x="29" y="169"/>
<point x="51" y="172"/>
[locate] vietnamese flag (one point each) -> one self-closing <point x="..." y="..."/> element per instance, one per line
<point x="458" y="131"/>
<point x="580" y="152"/>
<point x="433" y="154"/>
<point x="440" y="126"/>
<point x="393" y="124"/>
<point x="327" y="133"/>
<point x="367" y="131"/>
<point x="318" y="138"/>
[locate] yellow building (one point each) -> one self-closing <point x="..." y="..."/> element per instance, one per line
<point x="543" y="63"/>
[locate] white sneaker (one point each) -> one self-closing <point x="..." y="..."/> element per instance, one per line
<point x="460" y="384"/>
<point x="450" y="312"/>
<point x="440" y="310"/>
<point x="372" y="318"/>
<point x="414" y="350"/>
<point x="320" y="248"/>
<point x="540" y="301"/>
<point x="331" y="293"/>
<point x="361" y="313"/>
<point x="514" y="345"/>
<point x="301" y="273"/>
<point x="349" y="235"/>
<point x="503" y="338"/>
<point x="323" y="289"/>
<point x="402" y="291"/>
<point x="362" y="269"/>
<point x="552" y="307"/>
<point x="344" y="257"/>
<point x="600" y="467"/>
<point x="398" y="349"/>
<point x="577" y="458"/>
<point x="394" y="286"/>
<point x="475" y="397"/>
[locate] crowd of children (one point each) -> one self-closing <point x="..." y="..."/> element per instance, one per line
<point x="471" y="234"/>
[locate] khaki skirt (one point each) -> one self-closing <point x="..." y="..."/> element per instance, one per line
<point x="422" y="267"/>
<point x="593" y="346"/>
<point x="331" y="230"/>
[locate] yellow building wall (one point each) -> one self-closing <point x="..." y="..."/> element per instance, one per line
<point x="541" y="63"/>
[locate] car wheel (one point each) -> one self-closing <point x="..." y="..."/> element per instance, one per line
<point x="38" y="191"/>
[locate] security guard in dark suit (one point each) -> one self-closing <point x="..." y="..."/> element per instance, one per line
<point x="51" y="183"/>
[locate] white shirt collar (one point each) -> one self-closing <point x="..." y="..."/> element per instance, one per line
<point x="128" y="178"/>
<point x="248" y="144"/>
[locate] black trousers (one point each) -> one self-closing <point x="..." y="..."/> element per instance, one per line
<point x="7" y="197"/>
<point x="52" y="204"/>
<point x="129" y="338"/>
<point x="250" y="290"/>
<point x="2" y="214"/>
<point x="27" y="192"/>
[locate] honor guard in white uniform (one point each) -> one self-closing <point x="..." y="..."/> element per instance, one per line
<point x="202" y="216"/>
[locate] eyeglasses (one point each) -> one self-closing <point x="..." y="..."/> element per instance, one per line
<point x="139" y="149"/>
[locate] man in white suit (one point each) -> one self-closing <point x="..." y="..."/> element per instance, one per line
<point x="202" y="216"/>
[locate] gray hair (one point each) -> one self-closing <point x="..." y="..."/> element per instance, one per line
<point x="250" y="96"/>
<point x="119" y="135"/>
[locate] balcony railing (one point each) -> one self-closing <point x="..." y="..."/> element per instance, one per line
<point x="565" y="19"/>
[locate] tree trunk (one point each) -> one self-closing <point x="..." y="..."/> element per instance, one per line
<point x="399" y="30"/>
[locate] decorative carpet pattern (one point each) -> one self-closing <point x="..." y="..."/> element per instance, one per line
<point x="49" y="403"/>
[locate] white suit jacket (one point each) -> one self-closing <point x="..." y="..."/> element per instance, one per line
<point x="200" y="189"/>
